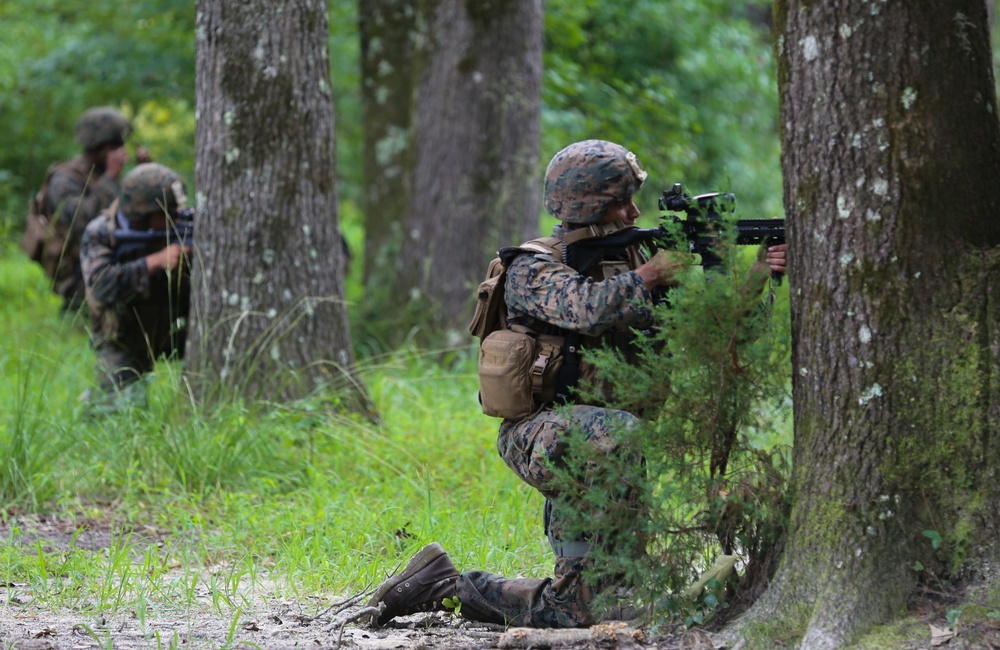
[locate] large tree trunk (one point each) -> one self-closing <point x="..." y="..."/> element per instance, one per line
<point x="891" y="150"/>
<point x="270" y="317"/>
<point x="456" y="177"/>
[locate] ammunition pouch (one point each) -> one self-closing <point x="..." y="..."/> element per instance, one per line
<point x="518" y="371"/>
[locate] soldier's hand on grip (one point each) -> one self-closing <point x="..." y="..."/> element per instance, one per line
<point x="663" y="269"/>
<point x="167" y="259"/>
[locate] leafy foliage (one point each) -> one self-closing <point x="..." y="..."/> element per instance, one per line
<point x="70" y="56"/>
<point x="710" y="381"/>
<point x="688" y="85"/>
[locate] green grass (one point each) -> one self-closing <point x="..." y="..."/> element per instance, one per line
<point x="251" y="501"/>
<point x="236" y="505"/>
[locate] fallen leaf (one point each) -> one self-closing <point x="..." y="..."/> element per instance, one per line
<point x="940" y="635"/>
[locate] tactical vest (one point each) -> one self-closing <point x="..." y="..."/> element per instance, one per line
<point x="52" y="241"/>
<point x="526" y="365"/>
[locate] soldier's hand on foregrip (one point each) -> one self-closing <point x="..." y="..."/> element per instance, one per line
<point x="776" y="257"/>
<point x="167" y="259"/>
<point x="770" y="263"/>
<point x="664" y="269"/>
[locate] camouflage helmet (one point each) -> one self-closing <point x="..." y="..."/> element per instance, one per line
<point x="100" y="126"/>
<point x="150" y="189"/>
<point x="586" y="177"/>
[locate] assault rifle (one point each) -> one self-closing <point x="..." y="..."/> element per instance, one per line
<point x="701" y="231"/>
<point x="132" y="244"/>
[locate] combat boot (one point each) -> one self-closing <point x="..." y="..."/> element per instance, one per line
<point x="429" y="578"/>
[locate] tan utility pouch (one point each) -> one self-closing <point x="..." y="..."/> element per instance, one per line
<point x="40" y="236"/>
<point x="517" y="372"/>
<point x="36" y="234"/>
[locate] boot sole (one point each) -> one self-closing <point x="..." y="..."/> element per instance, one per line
<point x="424" y="556"/>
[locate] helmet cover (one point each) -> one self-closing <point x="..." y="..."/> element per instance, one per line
<point x="586" y="177"/>
<point x="151" y="188"/>
<point x="100" y="126"/>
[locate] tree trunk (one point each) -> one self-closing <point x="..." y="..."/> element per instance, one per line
<point x="389" y="48"/>
<point x="270" y="317"/>
<point x="457" y="176"/>
<point x="890" y="151"/>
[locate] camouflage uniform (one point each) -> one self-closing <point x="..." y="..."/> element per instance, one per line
<point x="137" y="316"/>
<point x="548" y="296"/>
<point x="76" y="192"/>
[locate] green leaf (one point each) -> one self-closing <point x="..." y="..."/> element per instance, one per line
<point x="453" y="604"/>
<point x="935" y="538"/>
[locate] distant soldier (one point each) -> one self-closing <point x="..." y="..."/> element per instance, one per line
<point x="589" y="187"/>
<point x="138" y="301"/>
<point x="73" y="193"/>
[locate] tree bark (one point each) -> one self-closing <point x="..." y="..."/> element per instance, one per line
<point x="890" y="151"/>
<point x="390" y="45"/>
<point x="269" y="313"/>
<point x="456" y="176"/>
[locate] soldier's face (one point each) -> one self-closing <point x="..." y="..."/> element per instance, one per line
<point x="109" y="150"/>
<point x="625" y="211"/>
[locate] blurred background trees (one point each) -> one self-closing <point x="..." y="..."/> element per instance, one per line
<point x="452" y="106"/>
<point x="687" y="85"/>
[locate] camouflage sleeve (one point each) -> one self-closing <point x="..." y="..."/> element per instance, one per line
<point x="543" y="288"/>
<point x="108" y="281"/>
<point x="71" y="202"/>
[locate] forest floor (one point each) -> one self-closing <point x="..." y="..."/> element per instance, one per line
<point x="319" y="623"/>
<point x="27" y="625"/>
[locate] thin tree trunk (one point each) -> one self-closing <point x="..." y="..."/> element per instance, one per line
<point x="390" y="45"/>
<point x="453" y="103"/>
<point x="477" y="185"/>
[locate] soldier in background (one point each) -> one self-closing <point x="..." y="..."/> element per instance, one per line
<point x="589" y="187"/>
<point x="138" y="301"/>
<point x="73" y="193"/>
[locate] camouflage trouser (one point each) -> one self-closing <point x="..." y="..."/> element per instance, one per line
<point x="73" y="290"/>
<point x="116" y="400"/>
<point x="530" y="448"/>
<point x="122" y="380"/>
<point x="117" y="368"/>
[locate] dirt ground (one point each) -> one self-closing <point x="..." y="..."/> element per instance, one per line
<point x="318" y="623"/>
<point x="31" y="629"/>
<point x="269" y="625"/>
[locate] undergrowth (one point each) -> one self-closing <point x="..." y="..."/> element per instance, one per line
<point x="248" y="500"/>
<point x="271" y="501"/>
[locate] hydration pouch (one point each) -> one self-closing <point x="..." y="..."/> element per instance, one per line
<point x="506" y="359"/>
<point x="38" y="232"/>
<point x="518" y="372"/>
<point x="490" y="313"/>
